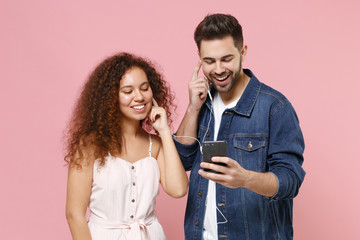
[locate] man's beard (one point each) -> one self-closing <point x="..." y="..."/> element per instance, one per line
<point x="227" y="88"/>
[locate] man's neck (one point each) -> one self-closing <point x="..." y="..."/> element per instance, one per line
<point x="237" y="90"/>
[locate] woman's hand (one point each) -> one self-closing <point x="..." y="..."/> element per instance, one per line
<point x="158" y="118"/>
<point x="172" y="173"/>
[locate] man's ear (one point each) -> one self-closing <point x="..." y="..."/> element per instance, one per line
<point x="243" y="52"/>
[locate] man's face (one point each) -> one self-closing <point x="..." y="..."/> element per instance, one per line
<point x="221" y="62"/>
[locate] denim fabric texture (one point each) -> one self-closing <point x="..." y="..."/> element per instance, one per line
<point x="263" y="134"/>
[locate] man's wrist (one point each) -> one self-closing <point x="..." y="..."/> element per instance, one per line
<point x="263" y="183"/>
<point x="248" y="179"/>
<point x="192" y="110"/>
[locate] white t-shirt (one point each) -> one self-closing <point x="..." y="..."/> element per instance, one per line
<point x="210" y="219"/>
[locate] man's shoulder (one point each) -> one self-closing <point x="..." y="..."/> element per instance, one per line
<point x="265" y="92"/>
<point x="272" y="94"/>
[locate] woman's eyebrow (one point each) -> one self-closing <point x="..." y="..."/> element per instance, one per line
<point x="130" y="86"/>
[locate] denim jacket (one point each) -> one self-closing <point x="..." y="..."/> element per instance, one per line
<point x="263" y="134"/>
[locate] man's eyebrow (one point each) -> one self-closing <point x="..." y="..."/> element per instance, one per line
<point x="227" y="56"/>
<point x="223" y="57"/>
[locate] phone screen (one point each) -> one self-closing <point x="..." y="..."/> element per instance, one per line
<point x="213" y="149"/>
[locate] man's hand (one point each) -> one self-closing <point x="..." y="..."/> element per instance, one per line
<point x="198" y="88"/>
<point x="232" y="175"/>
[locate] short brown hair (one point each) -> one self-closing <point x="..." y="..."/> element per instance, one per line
<point x="218" y="26"/>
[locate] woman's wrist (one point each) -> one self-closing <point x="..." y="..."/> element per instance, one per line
<point x="165" y="132"/>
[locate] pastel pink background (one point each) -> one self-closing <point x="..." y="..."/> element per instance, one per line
<point x="309" y="50"/>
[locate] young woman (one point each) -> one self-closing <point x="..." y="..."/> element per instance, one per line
<point x="115" y="165"/>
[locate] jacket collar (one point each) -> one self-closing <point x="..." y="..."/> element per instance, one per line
<point x="247" y="101"/>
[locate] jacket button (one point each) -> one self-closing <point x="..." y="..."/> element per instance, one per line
<point x="228" y="112"/>
<point x="249" y="146"/>
<point x="207" y="134"/>
<point x="196" y="223"/>
<point x="200" y="193"/>
<point x="221" y="204"/>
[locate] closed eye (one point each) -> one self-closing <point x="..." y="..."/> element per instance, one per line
<point x="145" y="86"/>
<point x="126" y="90"/>
<point x="209" y="61"/>
<point x="227" y="59"/>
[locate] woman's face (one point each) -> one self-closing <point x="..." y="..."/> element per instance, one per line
<point x="135" y="94"/>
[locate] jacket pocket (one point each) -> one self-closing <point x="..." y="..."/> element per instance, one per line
<point x="250" y="152"/>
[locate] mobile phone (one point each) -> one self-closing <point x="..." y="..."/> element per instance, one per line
<point x="213" y="149"/>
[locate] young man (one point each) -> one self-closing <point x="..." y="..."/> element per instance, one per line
<point x="252" y="195"/>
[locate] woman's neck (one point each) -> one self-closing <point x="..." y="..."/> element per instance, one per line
<point x="131" y="129"/>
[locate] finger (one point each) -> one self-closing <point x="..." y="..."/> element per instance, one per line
<point x="215" y="167"/>
<point x="207" y="83"/>
<point x="196" y="70"/>
<point x="202" y="96"/>
<point x="198" y="90"/>
<point x="157" y="113"/>
<point x="153" y="114"/>
<point x="155" y="103"/>
<point x="199" y="81"/>
<point x="212" y="176"/>
<point x="224" y="160"/>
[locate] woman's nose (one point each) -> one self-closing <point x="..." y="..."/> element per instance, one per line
<point x="138" y="96"/>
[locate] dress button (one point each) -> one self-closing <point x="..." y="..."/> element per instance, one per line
<point x="207" y="134"/>
<point x="196" y="223"/>
<point x="133" y="200"/>
<point x="132" y="167"/>
<point x="200" y="193"/>
<point x="132" y="216"/>
<point x="134" y="183"/>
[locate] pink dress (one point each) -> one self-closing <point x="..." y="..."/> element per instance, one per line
<point x="122" y="201"/>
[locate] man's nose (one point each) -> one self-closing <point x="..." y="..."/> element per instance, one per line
<point x="219" y="69"/>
